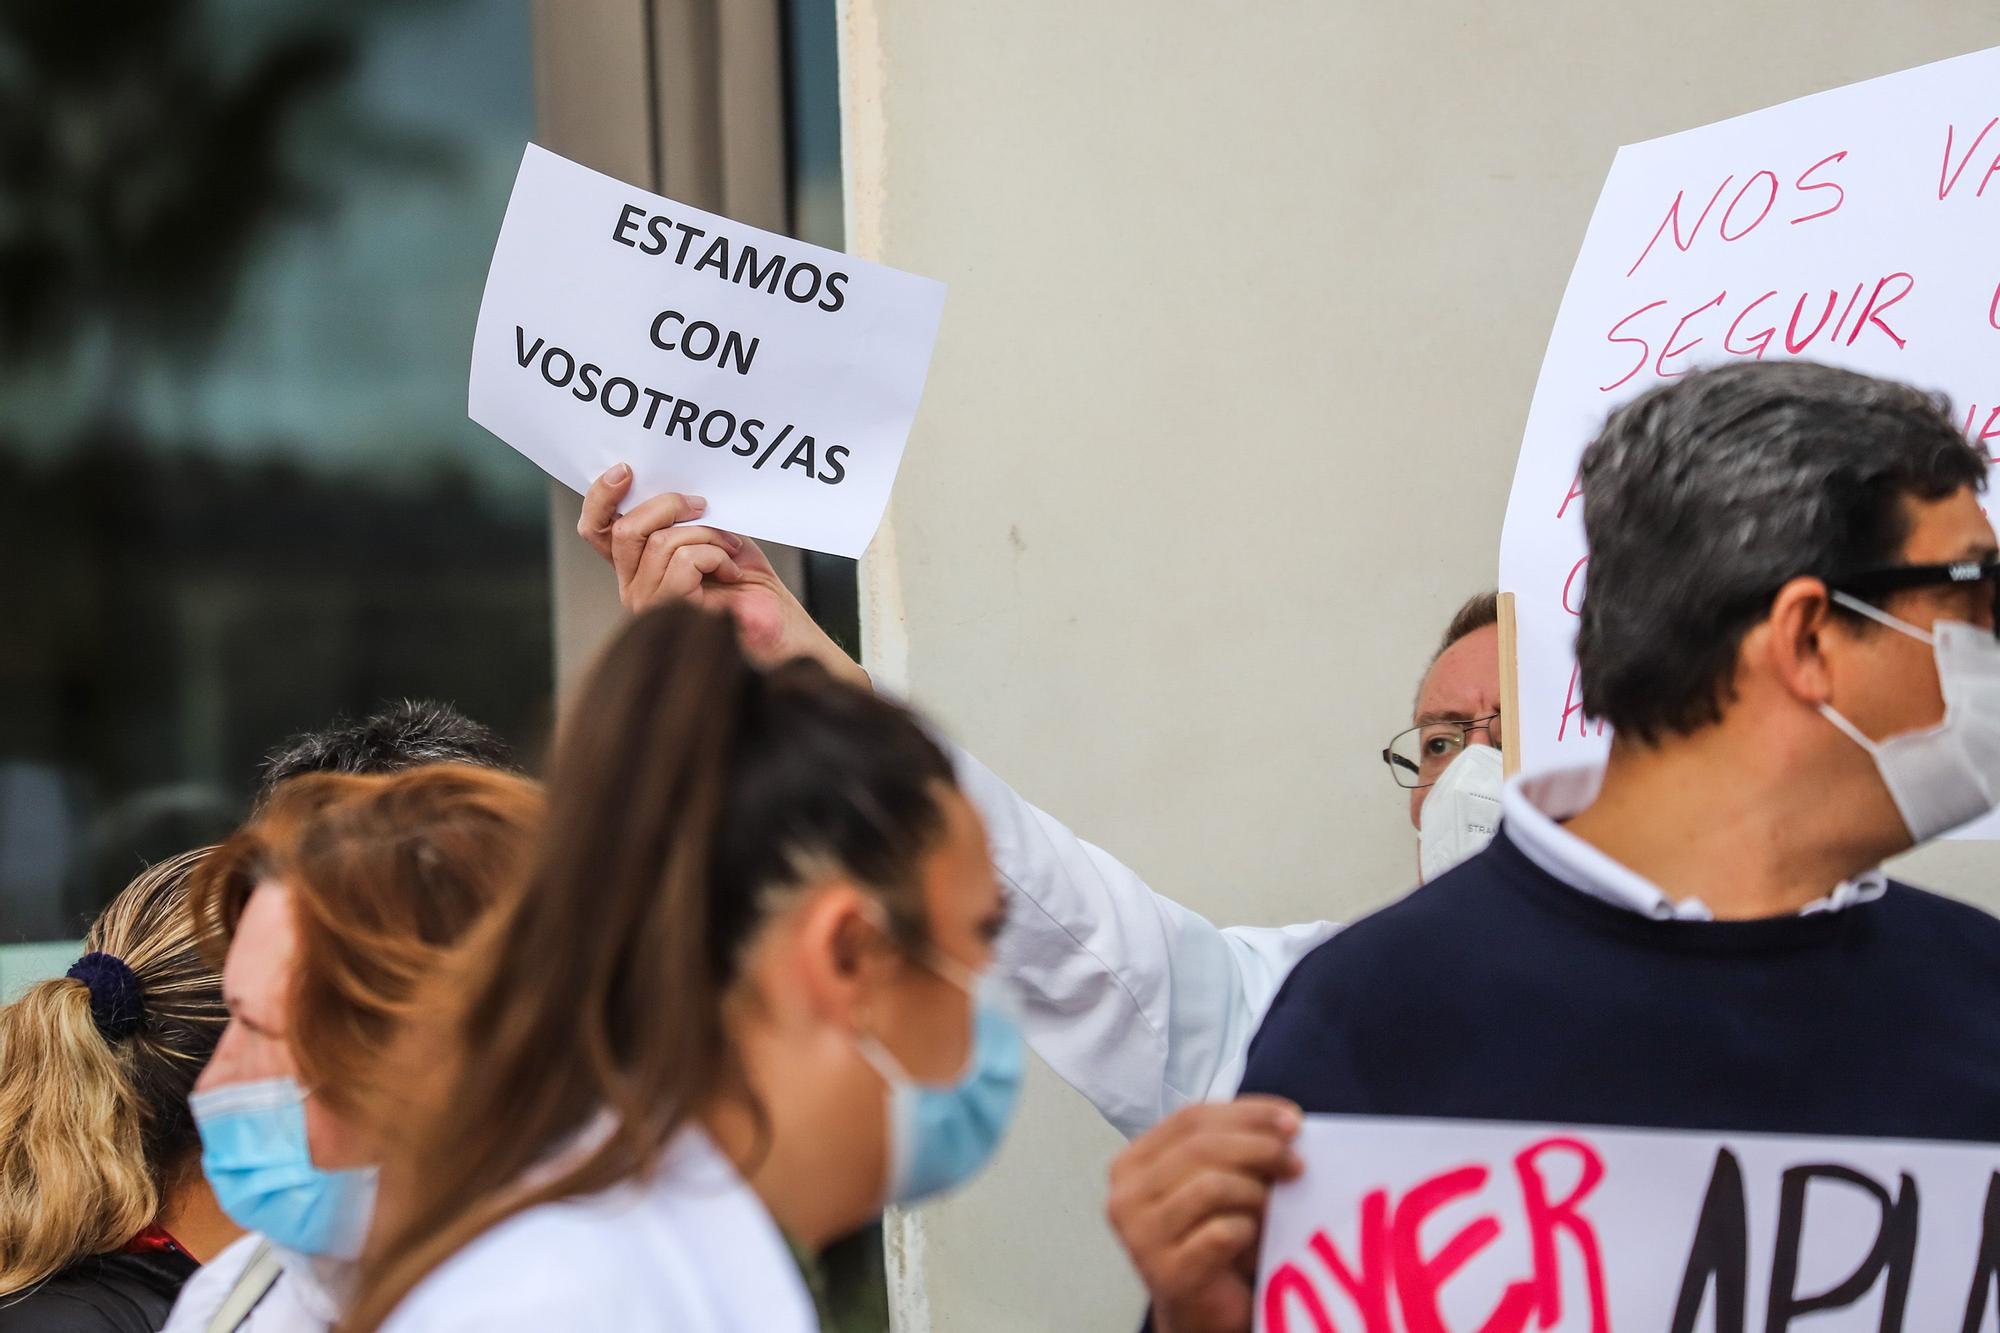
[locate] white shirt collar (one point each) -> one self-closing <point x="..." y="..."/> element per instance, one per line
<point x="1532" y="808"/>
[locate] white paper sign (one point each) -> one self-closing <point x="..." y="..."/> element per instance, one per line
<point x="1859" y="227"/>
<point x="1441" y="1226"/>
<point x="777" y="379"/>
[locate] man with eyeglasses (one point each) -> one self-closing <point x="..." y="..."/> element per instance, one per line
<point x="1449" y="759"/>
<point x="1790" y="627"/>
<point x="1137" y="1002"/>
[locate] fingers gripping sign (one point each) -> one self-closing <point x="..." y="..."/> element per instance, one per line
<point x="600" y="508"/>
<point x="657" y="551"/>
<point x="1187" y="1201"/>
<point x="678" y="563"/>
<point x="626" y="541"/>
<point x="660" y="553"/>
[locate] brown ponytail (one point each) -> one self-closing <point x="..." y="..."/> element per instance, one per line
<point x="689" y="791"/>
<point x="94" y="1126"/>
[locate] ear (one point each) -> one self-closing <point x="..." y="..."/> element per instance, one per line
<point x="836" y="952"/>
<point x="1793" y="641"/>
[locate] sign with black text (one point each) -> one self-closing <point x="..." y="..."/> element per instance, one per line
<point x="775" y="378"/>
<point x="1442" y="1226"/>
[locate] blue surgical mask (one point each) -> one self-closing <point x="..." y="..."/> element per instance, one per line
<point x="257" y="1160"/>
<point x="940" y="1136"/>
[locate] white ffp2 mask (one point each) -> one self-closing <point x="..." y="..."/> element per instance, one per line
<point x="1462" y="811"/>
<point x="1949" y="774"/>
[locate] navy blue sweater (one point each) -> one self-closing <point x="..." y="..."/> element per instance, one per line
<point x="1497" y="992"/>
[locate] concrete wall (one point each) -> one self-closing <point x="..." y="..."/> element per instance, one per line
<point x="1246" y="307"/>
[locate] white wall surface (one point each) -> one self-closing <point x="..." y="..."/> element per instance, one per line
<point x="1247" y="302"/>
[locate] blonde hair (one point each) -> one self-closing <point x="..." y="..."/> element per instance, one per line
<point x="94" y="1126"/>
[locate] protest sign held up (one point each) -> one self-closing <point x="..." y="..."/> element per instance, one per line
<point x="1441" y="1226"/>
<point x="777" y="379"/>
<point x="1854" y="227"/>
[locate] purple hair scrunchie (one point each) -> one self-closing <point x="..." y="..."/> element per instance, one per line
<point x="117" y="1001"/>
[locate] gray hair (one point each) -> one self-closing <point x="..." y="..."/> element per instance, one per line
<point x="1703" y="497"/>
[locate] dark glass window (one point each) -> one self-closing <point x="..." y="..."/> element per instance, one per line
<point x="812" y="142"/>
<point x="242" y="244"/>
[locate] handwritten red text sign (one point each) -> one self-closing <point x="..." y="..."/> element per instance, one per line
<point x="1859" y="227"/>
<point x="1441" y="1226"/>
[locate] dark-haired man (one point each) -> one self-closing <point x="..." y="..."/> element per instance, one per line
<point x="402" y="735"/>
<point x="1694" y="934"/>
<point x="1137" y="1002"/>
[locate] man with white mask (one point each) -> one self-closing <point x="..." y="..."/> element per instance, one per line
<point x="1789" y="625"/>
<point x="1449" y="757"/>
<point x="1137" y="1002"/>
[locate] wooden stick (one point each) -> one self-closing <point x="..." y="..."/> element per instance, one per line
<point x="1510" y="688"/>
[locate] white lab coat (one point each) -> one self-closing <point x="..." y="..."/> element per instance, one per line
<point x="303" y="1300"/>
<point x="690" y="1250"/>
<point x="1138" y="1003"/>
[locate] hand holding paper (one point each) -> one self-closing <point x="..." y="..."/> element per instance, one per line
<point x="1187" y="1199"/>
<point x="661" y="553"/>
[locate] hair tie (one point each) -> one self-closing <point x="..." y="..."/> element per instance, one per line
<point x="117" y="1001"/>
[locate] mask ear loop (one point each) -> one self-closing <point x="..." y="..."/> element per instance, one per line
<point x="979" y="989"/>
<point x="878" y="1056"/>
<point x="1851" y="731"/>
<point x="882" y="1060"/>
<point x="1881" y="617"/>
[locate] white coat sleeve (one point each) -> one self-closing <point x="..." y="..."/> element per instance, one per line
<point x="1138" y="1003"/>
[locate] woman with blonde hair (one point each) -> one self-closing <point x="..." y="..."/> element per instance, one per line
<point x="103" y="1210"/>
<point x="334" y="904"/>
<point x="734" y="1012"/>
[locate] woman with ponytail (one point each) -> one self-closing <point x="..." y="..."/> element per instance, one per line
<point x="103" y="1210"/>
<point x="733" y="1013"/>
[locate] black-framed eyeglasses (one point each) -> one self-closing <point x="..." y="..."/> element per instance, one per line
<point x="1419" y="756"/>
<point x="1886" y="579"/>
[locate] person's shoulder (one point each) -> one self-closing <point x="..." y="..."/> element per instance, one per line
<point x="114" y="1292"/>
<point x="1412" y="952"/>
<point x="1943" y="919"/>
<point x="210" y="1286"/>
<point x="562" y="1264"/>
<point x="70" y="1302"/>
<point x="584" y="1234"/>
<point x="1419" y="926"/>
<point x="53" y="1310"/>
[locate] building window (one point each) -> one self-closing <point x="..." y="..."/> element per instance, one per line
<point x="241" y="249"/>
